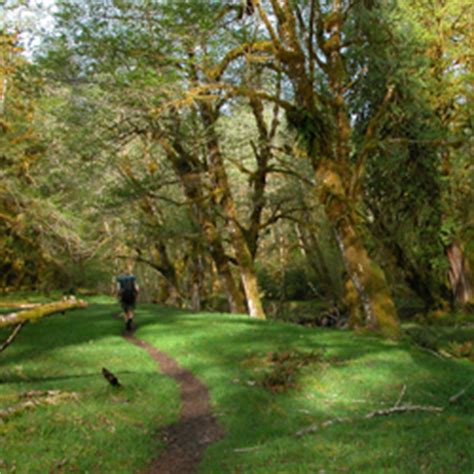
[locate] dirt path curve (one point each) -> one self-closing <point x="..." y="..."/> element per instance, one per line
<point x="196" y="428"/>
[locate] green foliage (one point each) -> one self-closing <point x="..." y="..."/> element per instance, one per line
<point x="87" y="122"/>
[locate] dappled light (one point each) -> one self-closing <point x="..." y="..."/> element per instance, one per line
<point x="236" y="236"/>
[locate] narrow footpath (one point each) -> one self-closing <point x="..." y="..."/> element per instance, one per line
<point x="196" y="429"/>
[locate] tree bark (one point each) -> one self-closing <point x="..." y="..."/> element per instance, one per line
<point x="367" y="277"/>
<point x="189" y="177"/>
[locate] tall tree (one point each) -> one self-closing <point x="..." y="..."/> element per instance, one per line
<point x="311" y="45"/>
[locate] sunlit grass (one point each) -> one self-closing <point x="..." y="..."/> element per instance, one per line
<point x="356" y="375"/>
<point x="360" y="374"/>
<point x="103" y="429"/>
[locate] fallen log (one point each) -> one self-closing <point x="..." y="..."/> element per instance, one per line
<point x="18" y="304"/>
<point x="38" y="312"/>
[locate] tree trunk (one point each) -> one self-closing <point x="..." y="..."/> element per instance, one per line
<point x="197" y="276"/>
<point x="367" y="277"/>
<point x="223" y="197"/>
<point x="191" y="183"/>
<point x="459" y="275"/>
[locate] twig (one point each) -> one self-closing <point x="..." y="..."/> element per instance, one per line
<point x="12" y="336"/>
<point x="389" y="411"/>
<point x="403" y="409"/>
<point x="458" y="395"/>
<point x="245" y="450"/>
<point x="404" y="388"/>
<point x="435" y="353"/>
<point x="397" y="408"/>
<point x="316" y="426"/>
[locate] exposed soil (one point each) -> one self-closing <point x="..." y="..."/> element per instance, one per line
<point x="186" y="440"/>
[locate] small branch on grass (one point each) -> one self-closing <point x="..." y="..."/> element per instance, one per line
<point x="404" y="388"/>
<point x="246" y="450"/>
<point x="12" y="336"/>
<point x="403" y="409"/>
<point x="458" y="395"/>
<point x="435" y="353"/>
<point x="389" y="411"/>
<point x="317" y="426"/>
<point x="397" y="408"/>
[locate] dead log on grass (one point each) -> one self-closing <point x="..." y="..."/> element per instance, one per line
<point x="39" y="312"/>
<point x="19" y="305"/>
<point x="19" y="319"/>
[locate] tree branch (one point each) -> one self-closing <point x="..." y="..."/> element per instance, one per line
<point x="12" y="336"/>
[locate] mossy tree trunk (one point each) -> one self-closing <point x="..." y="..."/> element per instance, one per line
<point x="367" y="277"/>
<point x="187" y="170"/>
<point x="323" y="117"/>
<point x="223" y="198"/>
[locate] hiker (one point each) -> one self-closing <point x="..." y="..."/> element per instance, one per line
<point x="127" y="292"/>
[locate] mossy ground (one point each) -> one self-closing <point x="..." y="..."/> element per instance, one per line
<point x="107" y="430"/>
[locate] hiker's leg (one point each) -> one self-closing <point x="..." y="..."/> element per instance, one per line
<point x="129" y="319"/>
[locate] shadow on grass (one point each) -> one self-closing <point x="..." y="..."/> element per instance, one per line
<point x="72" y="328"/>
<point x="369" y="376"/>
<point x="11" y="378"/>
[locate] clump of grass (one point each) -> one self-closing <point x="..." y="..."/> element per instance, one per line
<point x="279" y="371"/>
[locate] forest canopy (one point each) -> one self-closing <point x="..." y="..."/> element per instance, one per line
<point x="243" y="155"/>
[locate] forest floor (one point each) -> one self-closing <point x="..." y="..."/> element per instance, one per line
<point x="289" y="399"/>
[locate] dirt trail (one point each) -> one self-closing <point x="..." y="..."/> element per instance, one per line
<point x="196" y="428"/>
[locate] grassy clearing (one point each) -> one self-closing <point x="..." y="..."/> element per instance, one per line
<point x="331" y="374"/>
<point x="356" y="376"/>
<point x="101" y="429"/>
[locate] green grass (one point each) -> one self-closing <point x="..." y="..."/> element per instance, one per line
<point x="231" y="354"/>
<point x="105" y="429"/>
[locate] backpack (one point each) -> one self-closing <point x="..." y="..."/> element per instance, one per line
<point x="128" y="290"/>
